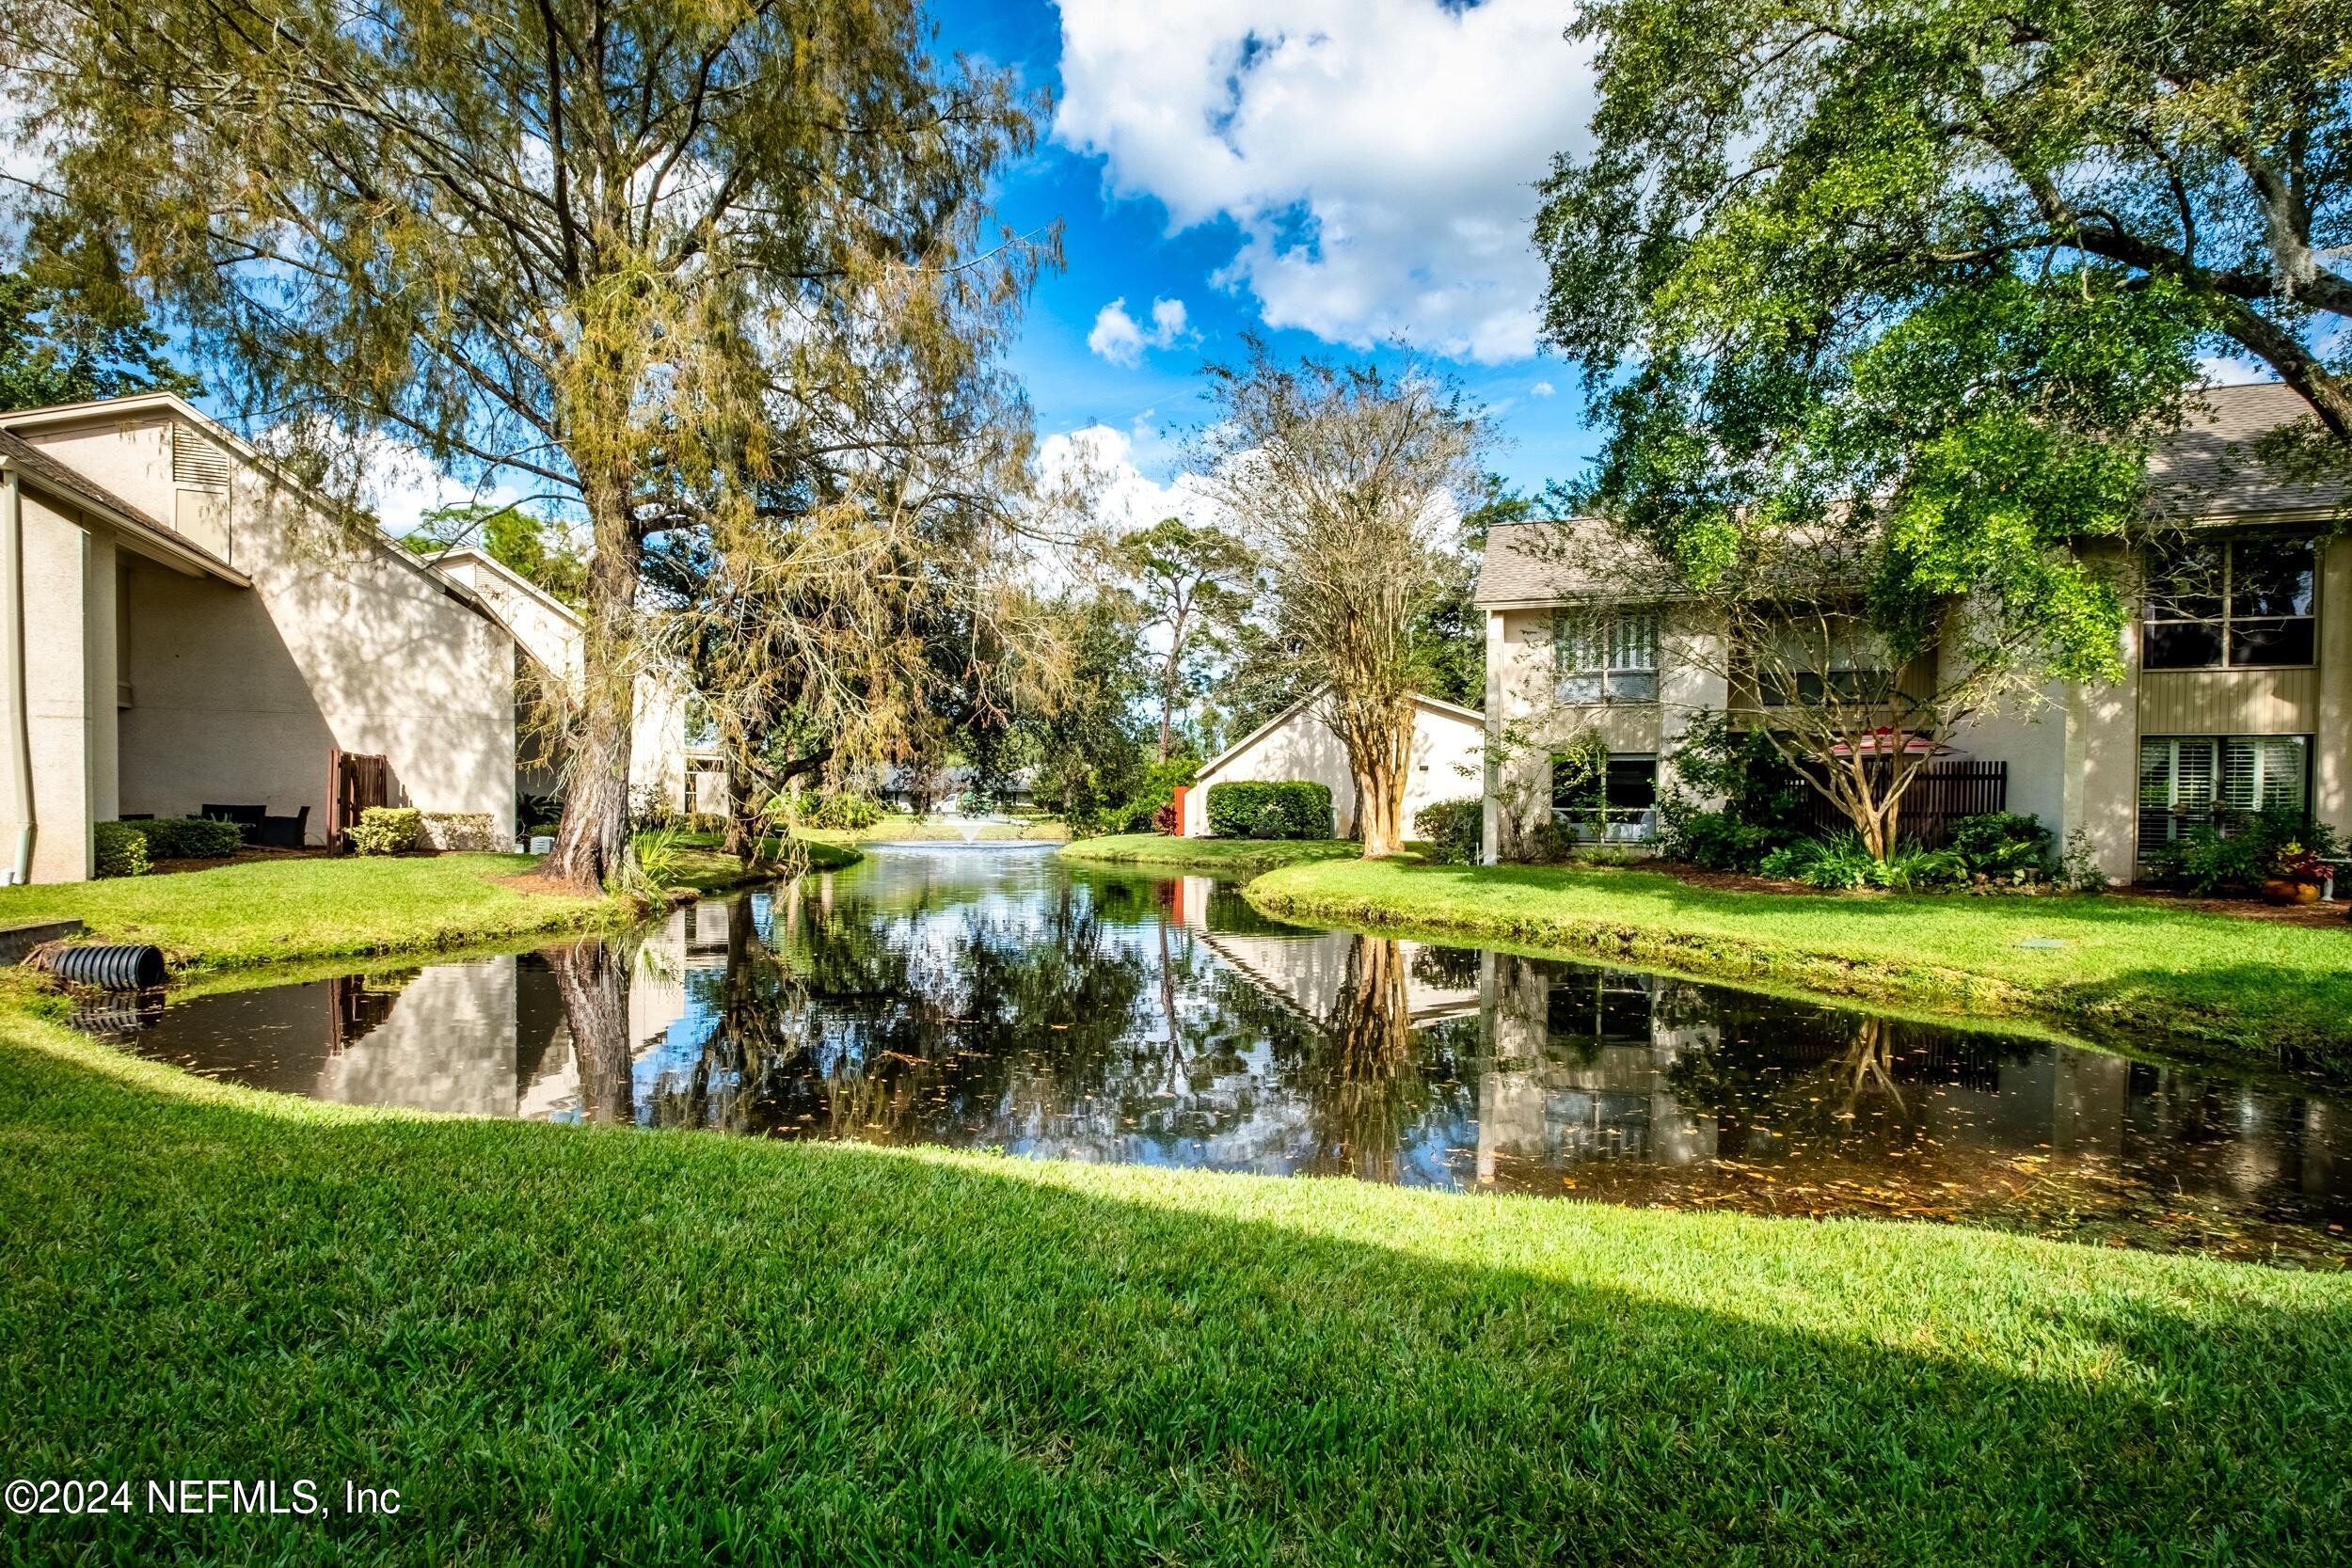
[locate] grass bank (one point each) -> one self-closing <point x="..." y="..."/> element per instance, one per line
<point x="926" y="830"/>
<point x="2250" y="990"/>
<point x="267" y="911"/>
<point x="702" y="865"/>
<point x="1226" y="857"/>
<point x="562" y="1343"/>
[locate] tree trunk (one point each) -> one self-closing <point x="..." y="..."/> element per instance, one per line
<point x="1169" y="676"/>
<point x="592" y="982"/>
<point x="593" y="839"/>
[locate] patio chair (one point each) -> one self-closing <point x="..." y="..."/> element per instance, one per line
<point x="285" y="832"/>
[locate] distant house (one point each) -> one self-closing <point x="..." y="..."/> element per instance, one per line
<point x="196" y="629"/>
<point x="921" y="790"/>
<point x="1448" y="761"/>
<point x="2237" y="692"/>
<point x="669" y="763"/>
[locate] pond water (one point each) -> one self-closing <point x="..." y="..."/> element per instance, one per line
<point x="993" y="997"/>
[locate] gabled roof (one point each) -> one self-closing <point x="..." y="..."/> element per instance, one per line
<point x="1549" y="562"/>
<point x="61" y="482"/>
<point x="2208" y="467"/>
<point x="1420" y="699"/>
<point x="470" y="555"/>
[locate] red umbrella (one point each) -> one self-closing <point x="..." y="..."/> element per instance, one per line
<point x="1883" y="742"/>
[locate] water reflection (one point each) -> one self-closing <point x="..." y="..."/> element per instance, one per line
<point x="996" y="999"/>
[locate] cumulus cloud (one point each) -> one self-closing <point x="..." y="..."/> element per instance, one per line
<point x="1108" y="463"/>
<point x="1119" y="338"/>
<point x="1541" y="389"/>
<point x="1378" y="156"/>
<point x="400" y="484"/>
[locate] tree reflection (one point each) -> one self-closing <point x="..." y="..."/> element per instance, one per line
<point x="591" y="976"/>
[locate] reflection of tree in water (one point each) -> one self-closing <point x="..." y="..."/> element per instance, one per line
<point x="1825" y="1078"/>
<point x="1361" y="1076"/>
<point x="591" y="976"/>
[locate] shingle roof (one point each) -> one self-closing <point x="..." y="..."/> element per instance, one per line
<point x="1581" y="558"/>
<point x="47" y="471"/>
<point x="2208" y="467"/>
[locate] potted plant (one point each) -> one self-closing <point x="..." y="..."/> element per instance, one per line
<point x="2297" y="877"/>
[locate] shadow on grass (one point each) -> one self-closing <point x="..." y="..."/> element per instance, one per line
<point x="579" y="1344"/>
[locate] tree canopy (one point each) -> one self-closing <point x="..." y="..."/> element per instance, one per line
<point x="1934" y="275"/>
<point x="68" y="339"/>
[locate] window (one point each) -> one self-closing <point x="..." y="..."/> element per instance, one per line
<point x="2187" y="781"/>
<point x="1605" y="1005"/>
<point x="1605" y="656"/>
<point x="1620" y="805"/>
<point x="1851" y="669"/>
<point x="2233" y="604"/>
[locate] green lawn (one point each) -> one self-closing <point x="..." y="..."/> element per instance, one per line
<point x="1229" y="857"/>
<point x="262" y="911"/>
<point x="895" y="829"/>
<point x="703" y="866"/>
<point x="568" y="1344"/>
<point x="2128" y="968"/>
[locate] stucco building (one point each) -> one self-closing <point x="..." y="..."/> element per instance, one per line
<point x="1448" y="761"/>
<point x="2237" y="692"/>
<point x="188" y="627"/>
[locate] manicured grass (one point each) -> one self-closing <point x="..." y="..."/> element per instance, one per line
<point x="566" y="1344"/>
<point x="1230" y="857"/>
<point x="2128" y="968"/>
<point x="705" y="868"/>
<point x="923" y="830"/>
<point x="264" y="912"/>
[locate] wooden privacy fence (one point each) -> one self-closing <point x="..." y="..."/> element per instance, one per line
<point x="356" y="782"/>
<point x="1939" y="795"/>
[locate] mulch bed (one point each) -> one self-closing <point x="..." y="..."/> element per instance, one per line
<point x="243" y="857"/>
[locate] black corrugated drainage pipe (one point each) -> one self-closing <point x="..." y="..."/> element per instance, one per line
<point x="108" y="966"/>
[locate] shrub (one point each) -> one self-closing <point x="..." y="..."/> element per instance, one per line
<point x="2234" y="852"/>
<point x="386" y="830"/>
<point x="844" y="810"/>
<point x="1236" y="809"/>
<point x="1453" y="829"/>
<point x="122" y="849"/>
<point x="469" y="830"/>
<point x="658" y="856"/>
<point x="1163" y="820"/>
<point x="2003" y="846"/>
<point x="1715" y="840"/>
<point x="188" y="838"/>
<point x="2078" y="870"/>
<point x="1839" y="862"/>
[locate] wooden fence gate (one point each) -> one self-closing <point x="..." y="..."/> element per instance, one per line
<point x="355" y="783"/>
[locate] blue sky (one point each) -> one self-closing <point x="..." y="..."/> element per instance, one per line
<point x="1334" y="174"/>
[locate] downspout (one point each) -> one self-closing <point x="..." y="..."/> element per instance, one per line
<point x="20" y="736"/>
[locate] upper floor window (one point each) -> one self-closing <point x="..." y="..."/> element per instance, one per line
<point x="1605" y="656"/>
<point x="2230" y="604"/>
<point x="1842" y="664"/>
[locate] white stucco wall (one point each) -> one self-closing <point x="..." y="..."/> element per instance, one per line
<point x="1448" y="764"/>
<point x="237" y="695"/>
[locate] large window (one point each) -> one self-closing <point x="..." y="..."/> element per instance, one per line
<point x="2236" y="603"/>
<point x="2187" y="781"/>
<point x="1621" y="805"/>
<point x="1603" y="655"/>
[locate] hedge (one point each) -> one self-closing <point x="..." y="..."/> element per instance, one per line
<point x="387" y="830"/>
<point x="1300" y="809"/>
<point x="188" y="838"/>
<point x="121" y="850"/>
<point x="1453" y="828"/>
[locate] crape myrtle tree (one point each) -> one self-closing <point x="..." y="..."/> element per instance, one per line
<point x="1908" y="291"/>
<point x="658" y="263"/>
<point x="1346" y="481"/>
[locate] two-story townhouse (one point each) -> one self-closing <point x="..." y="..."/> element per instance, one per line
<point x="2237" y="665"/>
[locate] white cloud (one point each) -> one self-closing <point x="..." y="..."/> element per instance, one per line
<point x="1378" y="156"/>
<point x="1107" y="464"/>
<point x="1119" y="338"/>
<point x="400" y="486"/>
<point x="1541" y="389"/>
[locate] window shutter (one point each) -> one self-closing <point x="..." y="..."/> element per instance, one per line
<point x="196" y="462"/>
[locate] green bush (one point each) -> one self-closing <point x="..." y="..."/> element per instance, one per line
<point x="1715" y="840"/>
<point x="1234" y="808"/>
<point x="122" y="849"/>
<point x="844" y="811"/>
<point x="2004" y="846"/>
<point x="1453" y="828"/>
<point x="1270" y="822"/>
<point x="2236" y="851"/>
<point x="189" y="838"/>
<point x="1840" y="863"/>
<point x="386" y="830"/>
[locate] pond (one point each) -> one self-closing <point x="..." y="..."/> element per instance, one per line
<point x="999" y="998"/>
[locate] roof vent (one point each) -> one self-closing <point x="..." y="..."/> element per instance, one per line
<point x="196" y="462"/>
